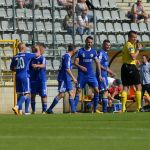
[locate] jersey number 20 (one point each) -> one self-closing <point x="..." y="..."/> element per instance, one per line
<point x="20" y="63"/>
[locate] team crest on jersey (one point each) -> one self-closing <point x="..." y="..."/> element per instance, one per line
<point x="91" y="55"/>
<point x="83" y="55"/>
<point x="131" y="49"/>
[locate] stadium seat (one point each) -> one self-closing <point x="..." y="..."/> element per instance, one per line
<point x="120" y="39"/>
<point x="41" y="38"/>
<point x="56" y="64"/>
<point x="134" y="27"/>
<point x="109" y="27"/>
<point x="97" y="3"/>
<point x="102" y="37"/>
<point x="104" y="3"/>
<point x="25" y="38"/>
<point x="62" y="50"/>
<point x="20" y="13"/>
<point x="46" y="14"/>
<point x="6" y="36"/>
<point x="49" y="39"/>
<point x="143" y="27"/>
<point x="45" y="3"/>
<point x="101" y="27"/>
<point x="114" y="15"/>
<point x="2" y="3"/>
<point x="5" y="25"/>
<point x="99" y="15"/>
<point x="139" y="37"/>
<point x="57" y="15"/>
<point x="112" y="3"/>
<point x="106" y="15"/>
<point x="59" y="39"/>
<point x="40" y="26"/>
<point x="145" y="37"/>
<point x="48" y="26"/>
<point x="10" y="12"/>
<point x="117" y="27"/>
<point x="63" y="13"/>
<point x="148" y="26"/>
<point x="122" y="15"/>
<point x="22" y="25"/>
<point x="9" y="2"/>
<point x="78" y="40"/>
<point x="58" y="26"/>
<point x="126" y="27"/>
<point x="112" y="38"/>
<point x="3" y="13"/>
<point x="30" y="25"/>
<point x="28" y="13"/>
<point x="49" y="64"/>
<point x="38" y="14"/>
<point x="68" y="39"/>
<point x="16" y="36"/>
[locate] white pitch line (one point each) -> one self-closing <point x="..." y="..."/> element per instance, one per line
<point x="74" y="137"/>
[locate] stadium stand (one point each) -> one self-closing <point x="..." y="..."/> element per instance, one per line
<point x="111" y="23"/>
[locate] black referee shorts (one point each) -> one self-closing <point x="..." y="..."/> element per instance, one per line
<point x="130" y="75"/>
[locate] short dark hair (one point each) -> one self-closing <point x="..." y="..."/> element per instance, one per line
<point x="146" y="56"/>
<point x="89" y="37"/>
<point x="131" y="32"/>
<point x="71" y="47"/>
<point x="106" y="41"/>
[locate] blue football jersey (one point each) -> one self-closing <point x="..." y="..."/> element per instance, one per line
<point x="86" y="58"/>
<point x="66" y="63"/>
<point x="38" y="74"/>
<point x="104" y="60"/>
<point x="21" y="62"/>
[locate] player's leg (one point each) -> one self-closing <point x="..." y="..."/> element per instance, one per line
<point x="81" y="85"/>
<point x="27" y="103"/>
<point x="55" y="101"/>
<point x="43" y="94"/>
<point x="61" y="94"/>
<point x="92" y="81"/>
<point x="137" y="82"/>
<point x="125" y="79"/>
<point x="34" y="89"/>
<point x="33" y="103"/>
<point x="103" y="86"/>
<point x="71" y="101"/>
<point x="138" y="96"/>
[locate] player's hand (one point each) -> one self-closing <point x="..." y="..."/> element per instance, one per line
<point x="84" y="69"/>
<point x="101" y="78"/>
<point x="110" y="71"/>
<point x="34" y="65"/>
<point x="139" y="46"/>
<point x="75" y="80"/>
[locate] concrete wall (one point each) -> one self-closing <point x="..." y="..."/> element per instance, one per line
<point x="7" y="100"/>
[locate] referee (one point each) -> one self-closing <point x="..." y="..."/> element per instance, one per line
<point x="129" y="72"/>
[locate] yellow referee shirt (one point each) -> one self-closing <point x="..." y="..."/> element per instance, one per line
<point x="128" y="49"/>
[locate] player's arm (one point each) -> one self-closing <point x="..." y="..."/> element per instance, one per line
<point x="98" y="66"/>
<point x="135" y="52"/>
<point x="12" y="65"/>
<point x="71" y="75"/>
<point x="43" y="65"/>
<point x="76" y="62"/>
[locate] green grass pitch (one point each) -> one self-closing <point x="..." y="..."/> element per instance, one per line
<point x="122" y="131"/>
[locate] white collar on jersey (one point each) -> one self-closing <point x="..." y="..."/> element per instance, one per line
<point x="87" y="49"/>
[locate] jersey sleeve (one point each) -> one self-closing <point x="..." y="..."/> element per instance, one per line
<point x="67" y="62"/>
<point x="12" y="65"/>
<point x="131" y="48"/>
<point x="78" y="54"/>
<point x="43" y="60"/>
<point x="30" y="55"/>
<point x="95" y="55"/>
